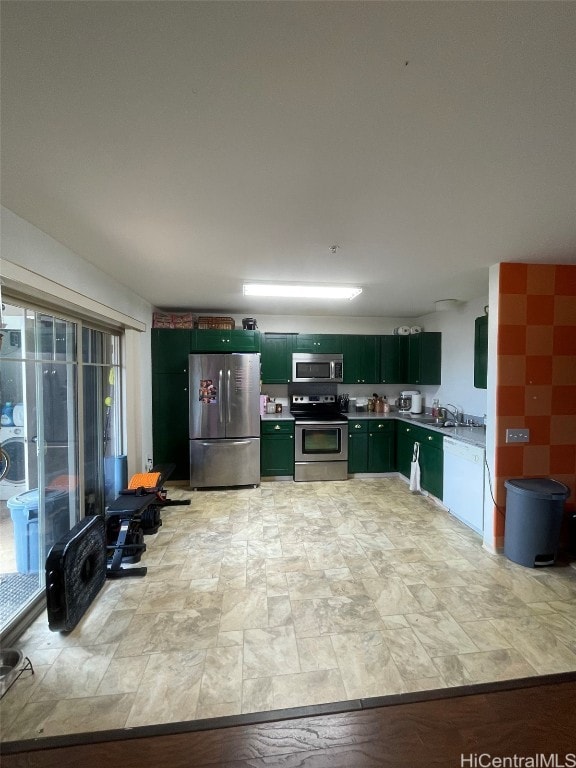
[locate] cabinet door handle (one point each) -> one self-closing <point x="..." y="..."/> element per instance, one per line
<point x="277" y="426"/>
<point x="430" y="437"/>
<point x="380" y="426"/>
<point x="357" y="426"/>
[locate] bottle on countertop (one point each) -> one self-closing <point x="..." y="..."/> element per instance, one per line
<point x="435" y="408"/>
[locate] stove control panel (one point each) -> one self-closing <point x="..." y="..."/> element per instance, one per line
<point x="301" y="399"/>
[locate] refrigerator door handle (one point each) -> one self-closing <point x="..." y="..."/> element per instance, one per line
<point x="220" y="396"/>
<point x="228" y="374"/>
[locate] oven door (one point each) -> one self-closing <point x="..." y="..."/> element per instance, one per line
<point x="321" y="441"/>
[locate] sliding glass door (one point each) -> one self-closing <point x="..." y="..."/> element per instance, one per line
<point x="60" y="437"/>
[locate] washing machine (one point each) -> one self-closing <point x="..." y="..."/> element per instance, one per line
<point x="13" y="442"/>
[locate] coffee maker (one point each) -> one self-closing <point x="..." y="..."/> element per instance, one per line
<point x="404" y="402"/>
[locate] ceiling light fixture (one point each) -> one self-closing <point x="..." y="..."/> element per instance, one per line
<point x="281" y="290"/>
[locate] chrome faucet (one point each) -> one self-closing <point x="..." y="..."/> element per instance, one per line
<point x="455" y="413"/>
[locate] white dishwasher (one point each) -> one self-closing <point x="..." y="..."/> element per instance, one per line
<point x="464" y="482"/>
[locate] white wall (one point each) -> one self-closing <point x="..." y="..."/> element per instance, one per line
<point x="457" y="328"/>
<point x="59" y="271"/>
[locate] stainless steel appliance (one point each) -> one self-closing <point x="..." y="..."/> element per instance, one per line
<point x="224" y="419"/>
<point x="315" y="367"/>
<point x="321" y="438"/>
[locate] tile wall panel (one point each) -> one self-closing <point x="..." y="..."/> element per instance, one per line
<point x="536" y="379"/>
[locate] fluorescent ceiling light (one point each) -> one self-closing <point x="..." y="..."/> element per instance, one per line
<point x="301" y="291"/>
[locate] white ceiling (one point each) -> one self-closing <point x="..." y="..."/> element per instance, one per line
<point x="186" y="146"/>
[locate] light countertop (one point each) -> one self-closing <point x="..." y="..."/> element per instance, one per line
<point x="471" y="435"/>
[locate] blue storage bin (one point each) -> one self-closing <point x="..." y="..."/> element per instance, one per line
<point x="24" y="513"/>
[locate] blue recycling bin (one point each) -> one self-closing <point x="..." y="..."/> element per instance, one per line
<point x="24" y="513"/>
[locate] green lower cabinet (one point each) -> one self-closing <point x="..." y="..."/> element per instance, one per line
<point x="431" y="456"/>
<point x="276" y="448"/>
<point x="381" y="446"/>
<point x="371" y="446"/>
<point x="357" y="446"/>
<point x="170" y="422"/>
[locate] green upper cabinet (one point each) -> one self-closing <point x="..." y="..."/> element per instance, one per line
<point x="424" y="358"/>
<point x="276" y="358"/>
<point x="170" y="350"/>
<point x="393" y="359"/>
<point x="481" y="352"/>
<point x="226" y="341"/>
<point x="361" y="359"/>
<point x="318" y="342"/>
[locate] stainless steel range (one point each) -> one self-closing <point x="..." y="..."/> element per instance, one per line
<point x="321" y="438"/>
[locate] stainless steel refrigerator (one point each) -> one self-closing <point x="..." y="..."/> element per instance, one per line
<point x="224" y="421"/>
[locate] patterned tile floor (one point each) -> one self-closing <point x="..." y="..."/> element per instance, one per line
<point x="294" y="594"/>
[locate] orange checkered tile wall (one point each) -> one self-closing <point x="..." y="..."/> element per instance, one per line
<point x="536" y="375"/>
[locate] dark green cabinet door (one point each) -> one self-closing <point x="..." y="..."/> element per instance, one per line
<point x="277" y="448"/>
<point x="226" y="341"/>
<point x="431" y="455"/>
<point x="405" y="438"/>
<point x="361" y="359"/>
<point x="318" y="342"/>
<point x="393" y="359"/>
<point x="170" y="350"/>
<point x="170" y="422"/>
<point x="357" y="451"/>
<point x="381" y="446"/>
<point x="276" y="359"/>
<point x="481" y="352"/>
<point x="424" y="358"/>
<point x="432" y="470"/>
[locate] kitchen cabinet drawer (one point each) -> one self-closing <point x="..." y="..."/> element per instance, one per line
<point x="280" y="427"/>
<point x="358" y="426"/>
<point x="380" y="426"/>
<point x="318" y="342"/>
<point x="226" y="341"/>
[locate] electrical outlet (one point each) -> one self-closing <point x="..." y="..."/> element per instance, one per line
<point x="517" y="435"/>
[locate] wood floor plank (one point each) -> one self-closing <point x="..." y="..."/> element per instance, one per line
<point x="526" y="721"/>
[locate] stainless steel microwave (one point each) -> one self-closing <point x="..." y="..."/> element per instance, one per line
<point x="313" y="367"/>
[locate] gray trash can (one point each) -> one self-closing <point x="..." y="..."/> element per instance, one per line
<point x="534" y="510"/>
